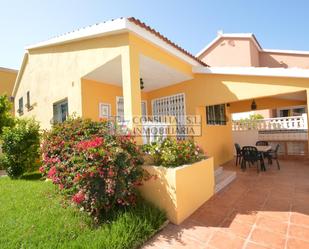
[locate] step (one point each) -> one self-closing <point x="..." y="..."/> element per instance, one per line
<point x="223" y="179"/>
<point x="218" y="171"/>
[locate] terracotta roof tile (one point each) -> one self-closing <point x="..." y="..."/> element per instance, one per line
<point x="158" y="34"/>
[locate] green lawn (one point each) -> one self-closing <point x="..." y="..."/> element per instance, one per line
<point x="32" y="216"/>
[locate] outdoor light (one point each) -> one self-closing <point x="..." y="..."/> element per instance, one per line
<point x="253" y="105"/>
<point x="141" y="82"/>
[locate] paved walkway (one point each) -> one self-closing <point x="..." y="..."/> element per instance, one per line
<point x="256" y="211"/>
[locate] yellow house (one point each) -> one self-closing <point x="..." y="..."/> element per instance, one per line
<point x="125" y="68"/>
<point x="7" y="80"/>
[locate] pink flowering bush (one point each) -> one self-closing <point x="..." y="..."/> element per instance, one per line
<point x="93" y="163"/>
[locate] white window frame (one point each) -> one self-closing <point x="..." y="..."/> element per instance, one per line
<point x="103" y="104"/>
<point x="169" y="96"/>
<point x="121" y="97"/>
<point x="290" y="108"/>
<point x="146" y="111"/>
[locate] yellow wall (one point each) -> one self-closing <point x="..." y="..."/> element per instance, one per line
<point x="206" y="90"/>
<point x="94" y="92"/>
<point x="263" y="103"/>
<point x="216" y="140"/>
<point x="156" y="53"/>
<point x="180" y="191"/>
<point x="7" y="80"/>
<point x="54" y="73"/>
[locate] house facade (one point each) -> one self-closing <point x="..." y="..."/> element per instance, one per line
<point x="244" y="50"/>
<point x="125" y="68"/>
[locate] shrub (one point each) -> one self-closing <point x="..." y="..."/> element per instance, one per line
<point x="173" y="153"/>
<point x="6" y="118"/>
<point x="92" y="163"/>
<point x="20" y="147"/>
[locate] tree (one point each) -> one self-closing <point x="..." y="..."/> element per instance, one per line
<point x="6" y="118"/>
<point x="20" y="147"/>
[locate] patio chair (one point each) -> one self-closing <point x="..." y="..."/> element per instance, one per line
<point x="261" y="143"/>
<point x="238" y="153"/>
<point x="251" y="155"/>
<point x="273" y="155"/>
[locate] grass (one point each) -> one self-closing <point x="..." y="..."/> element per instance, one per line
<point x="32" y="216"/>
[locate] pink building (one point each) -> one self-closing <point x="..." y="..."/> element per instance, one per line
<point x="243" y="50"/>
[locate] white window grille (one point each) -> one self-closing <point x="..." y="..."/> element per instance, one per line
<point x="173" y="105"/>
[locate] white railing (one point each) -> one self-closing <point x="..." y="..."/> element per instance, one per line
<point x="282" y="123"/>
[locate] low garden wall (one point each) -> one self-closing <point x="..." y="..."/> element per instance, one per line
<point x="181" y="190"/>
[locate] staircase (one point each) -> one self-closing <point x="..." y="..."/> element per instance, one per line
<point x="223" y="178"/>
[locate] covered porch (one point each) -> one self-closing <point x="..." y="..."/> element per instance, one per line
<point x="280" y="126"/>
<point x="125" y="87"/>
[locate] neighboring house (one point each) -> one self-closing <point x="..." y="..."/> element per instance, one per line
<point x="244" y="50"/>
<point x="7" y="80"/>
<point x="99" y="71"/>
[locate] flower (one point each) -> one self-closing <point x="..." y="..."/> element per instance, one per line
<point x="94" y="143"/>
<point x="77" y="178"/>
<point x="52" y="172"/>
<point x="79" y="197"/>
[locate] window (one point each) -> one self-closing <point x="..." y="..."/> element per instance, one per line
<point x="28" y="101"/>
<point x="216" y="115"/>
<point x="120" y="108"/>
<point x="291" y="111"/>
<point x="104" y="110"/>
<point x="20" y="106"/>
<point x="174" y="106"/>
<point x="60" y="111"/>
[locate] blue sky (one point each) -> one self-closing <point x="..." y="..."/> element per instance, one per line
<point x="278" y="24"/>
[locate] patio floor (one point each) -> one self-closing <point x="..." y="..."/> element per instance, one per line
<point x="265" y="210"/>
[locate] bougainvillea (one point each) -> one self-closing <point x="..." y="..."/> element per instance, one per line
<point x="173" y="153"/>
<point x="93" y="163"/>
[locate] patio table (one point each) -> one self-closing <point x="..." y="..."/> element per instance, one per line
<point x="263" y="149"/>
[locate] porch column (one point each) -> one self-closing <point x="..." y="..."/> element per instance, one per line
<point x="131" y="85"/>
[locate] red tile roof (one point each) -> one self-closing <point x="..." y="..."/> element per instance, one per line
<point x="158" y="34"/>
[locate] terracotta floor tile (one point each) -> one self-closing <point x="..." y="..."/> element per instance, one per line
<point x="299" y="232"/>
<point x="301" y="208"/>
<point x="196" y="231"/>
<point x="208" y="219"/>
<point x="255" y="246"/>
<point x="237" y="228"/>
<point x="300" y="219"/>
<point x="221" y="240"/>
<point x="282" y="216"/>
<point x="297" y="244"/>
<point x="272" y="224"/>
<point x="243" y="217"/>
<point x="267" y="238"/>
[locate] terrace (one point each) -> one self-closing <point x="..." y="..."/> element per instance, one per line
<point x="266" y="210"/>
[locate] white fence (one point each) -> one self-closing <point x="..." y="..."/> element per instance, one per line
<point x="290" y="132"/>
<point x="283" y="123"/>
